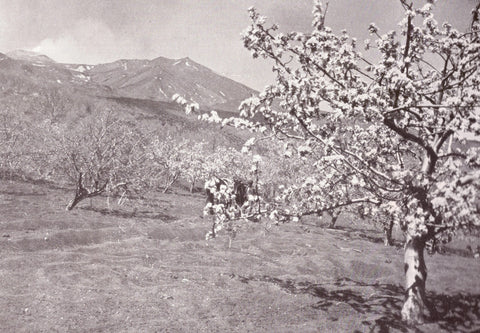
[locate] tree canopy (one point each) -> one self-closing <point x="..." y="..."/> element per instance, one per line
<point x="396" y="135"/>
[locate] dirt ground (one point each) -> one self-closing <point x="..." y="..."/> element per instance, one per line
<point x="96" y="269"/>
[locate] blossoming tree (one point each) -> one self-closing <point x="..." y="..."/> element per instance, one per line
<point x="100" y="153"/>
<point x="391" y="135"/>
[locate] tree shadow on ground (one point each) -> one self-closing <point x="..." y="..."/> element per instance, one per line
<point x="199" y="194"/>
<point x="143" y="214"/>
<point x="373" y="236"/>
<point x="455" y="313"/>
<point x="14" y="193"/>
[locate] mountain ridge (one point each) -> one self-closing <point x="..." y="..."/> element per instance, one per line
<point x="156" y="79"/>
<point x="29" y="55"/>
<point x="161" y="78"/>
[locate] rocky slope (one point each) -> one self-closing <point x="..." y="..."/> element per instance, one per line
<point x="22" y="72"/>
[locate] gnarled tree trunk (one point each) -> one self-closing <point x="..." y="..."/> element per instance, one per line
<point x="416" y="304"/>
<point x="334" y="214"/>
<point x="413" y="311"/>
<point x="192" y="185"/>
<point x="170" y="181"/>
<point x="82" y="193"/>
<point x="387" y="230"/>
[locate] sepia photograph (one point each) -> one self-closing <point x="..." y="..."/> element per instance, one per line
<point x="240" y="166"/>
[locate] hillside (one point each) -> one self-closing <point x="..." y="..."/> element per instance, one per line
<point x="30" y="56"/>
<point x="160" y="78"/>
<point x="34" y="88"/>
<point x="27" y="74"/>
<point x="24" y="72"/>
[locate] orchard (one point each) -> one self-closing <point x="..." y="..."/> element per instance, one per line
<point x="392" y="136"/>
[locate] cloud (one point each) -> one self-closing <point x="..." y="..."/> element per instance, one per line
<point x="88" y="41"/>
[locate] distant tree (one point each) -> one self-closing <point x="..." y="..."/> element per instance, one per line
<point x="53" y="105"/>
<point x="194" y="165"/>
<point x="165" y="161"/>
<point x="100" y="154"/>
<point x="13" y="140"/>
<point x="22" y="141"/>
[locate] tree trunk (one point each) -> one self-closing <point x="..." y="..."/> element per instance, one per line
<point x="71" y="205"/>
<point x="79" y="196"/>
<point x="415" y="278"/>
<point x="334" y="215"/>
<point x="214" y="224"/>
<point x="82" y="193"/>
<point x="416" y="305"/>
<point x="387" y="229"/>
<point x="170" y="182"/>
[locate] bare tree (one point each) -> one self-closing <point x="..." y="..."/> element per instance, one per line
<point x="100" y="154"/>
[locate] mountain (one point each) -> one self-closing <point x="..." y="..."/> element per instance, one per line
<point x="160" y="78"/>
<point x="26" y="73"/>
<point x="156" y="80"/>
<point x="35" y="88"/>
<point x="29" y="56"/>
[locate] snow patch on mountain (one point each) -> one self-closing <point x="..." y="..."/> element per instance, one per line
<point x="82" y="77"/>
<point x="162" y="92"/>
<point x="191" y="66"/>
<point x="82" y="68"/>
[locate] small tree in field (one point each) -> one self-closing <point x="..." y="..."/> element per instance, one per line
<point x="165" y="161"/>
<point x="393" y="138"/>
<point x="193" y="156"/>
<point x="22" y="141"/>
<point x="100" y="154"/>
<point x="13" y="140"/>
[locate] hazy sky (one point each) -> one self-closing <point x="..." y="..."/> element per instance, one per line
<point x="208" y="31"/>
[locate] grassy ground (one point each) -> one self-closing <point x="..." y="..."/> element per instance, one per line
<point x="97" y="269"/>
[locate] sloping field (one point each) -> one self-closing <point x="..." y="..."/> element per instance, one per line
<point x="97" y="269"/>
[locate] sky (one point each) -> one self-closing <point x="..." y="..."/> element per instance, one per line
<point x="207" y="31"/>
